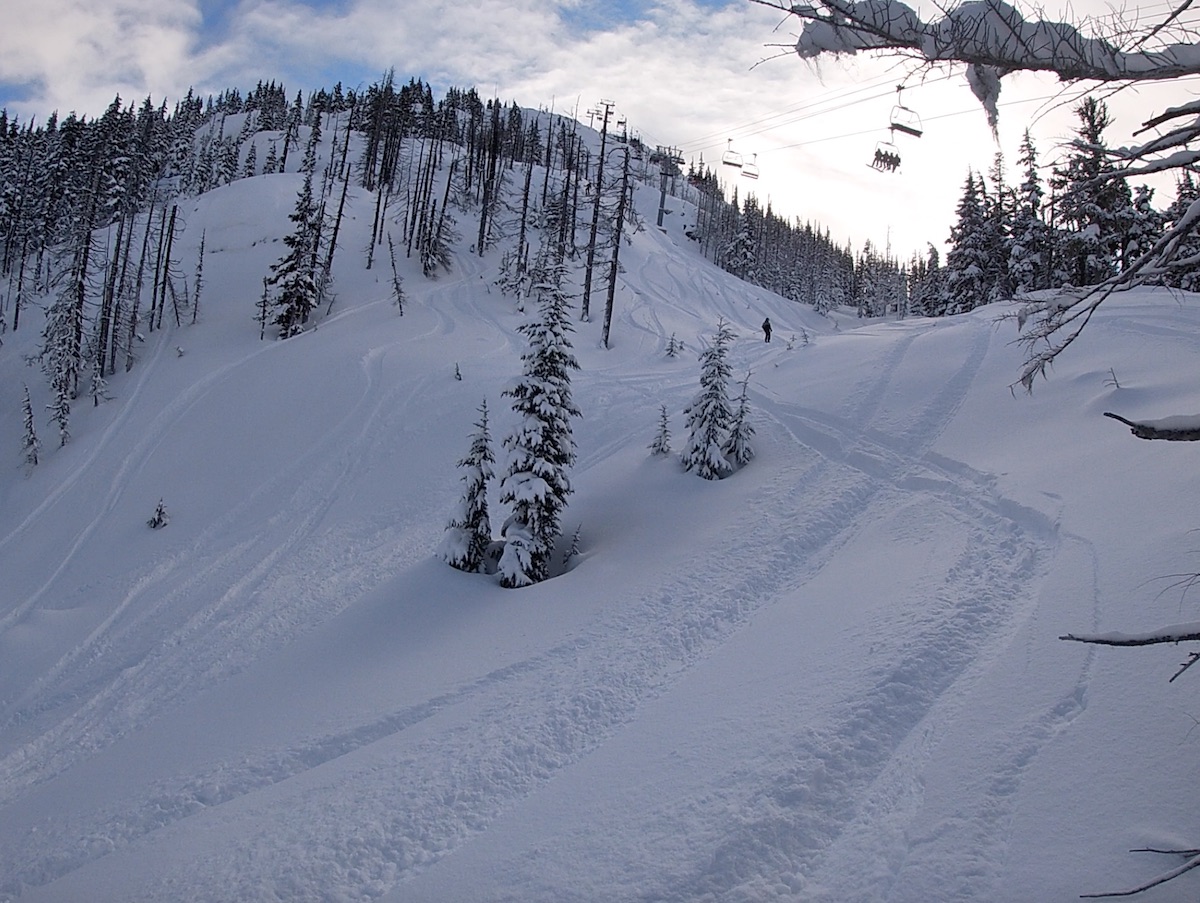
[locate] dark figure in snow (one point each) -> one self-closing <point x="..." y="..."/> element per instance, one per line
<point x="766" y="327"/>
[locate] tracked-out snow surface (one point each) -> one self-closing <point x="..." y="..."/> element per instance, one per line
<point x="833" y="676"/>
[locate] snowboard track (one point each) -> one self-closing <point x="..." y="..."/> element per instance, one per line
<point x="419" y="795"/>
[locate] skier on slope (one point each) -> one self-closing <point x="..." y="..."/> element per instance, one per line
<point x="766" y="328"/>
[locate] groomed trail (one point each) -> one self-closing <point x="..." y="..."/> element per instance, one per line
<point x="832" y="677"/>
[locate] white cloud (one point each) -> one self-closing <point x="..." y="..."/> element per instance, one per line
<point x="80" y="55"/>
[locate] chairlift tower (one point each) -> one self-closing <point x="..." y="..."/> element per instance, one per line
<point x="668" y="160"/>
<point x="585" y="304"/>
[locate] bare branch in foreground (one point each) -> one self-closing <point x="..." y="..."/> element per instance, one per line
<point x="1192" y="863"/>
<point x="1176" y="429"/>
<point x="1168" y="635"/>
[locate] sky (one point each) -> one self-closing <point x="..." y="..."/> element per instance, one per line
<point x="691" y="74"/>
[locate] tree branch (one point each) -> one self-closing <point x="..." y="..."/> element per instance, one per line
<point x="1153" y="882"/>
<point x="1185" y="430"/>
<point x="1117" y="639"/>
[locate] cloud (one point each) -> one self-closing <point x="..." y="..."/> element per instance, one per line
<point x="66" y="54"/>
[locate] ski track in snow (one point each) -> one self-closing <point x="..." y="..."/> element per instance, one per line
<point x="423" y="779"/>
<point x="842" y="770"/>
<point x="239" y="620"/>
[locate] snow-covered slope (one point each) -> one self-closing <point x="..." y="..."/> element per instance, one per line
<point x="834" y="676"/>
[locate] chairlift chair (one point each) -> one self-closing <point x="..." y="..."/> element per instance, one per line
<point x="887" y="157"/>
<point x="731" y="157"/>
<point x="750" y="170"/>
<point x="907" y="121"/>
<point x="903" y="119"/>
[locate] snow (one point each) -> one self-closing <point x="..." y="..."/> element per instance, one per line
<point x="832" y="676"/>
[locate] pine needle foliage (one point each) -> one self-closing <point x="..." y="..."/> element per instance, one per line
<point x="541" y="447"/>
<point x="467" y="537"/>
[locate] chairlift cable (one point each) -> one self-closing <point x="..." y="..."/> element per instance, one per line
<point x="695" y="145"/>
<point x="805" y="109"/>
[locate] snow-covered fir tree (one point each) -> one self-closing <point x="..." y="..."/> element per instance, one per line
<point x="964" y="285"/>
<point x="739" y="253"/>
<point x="465" y="542"/>
<point x="61" y="359"/>
<point x="1186" y="277"/>
<point x="541" y="447"/>
<point x="293" y="276"/>
<point x="738" y="447"/>
<point x="1094" y="210"/>
<point x="662" y="439"/>
<point x="160" y="518"/>
<point x="250" y="168"/>
<point x="709" y="415"/>
<point x="1145" y="224"/>
<point x="997" y="232"/>
<point x="1029" y="250"/>
<point x="30" y="446"/>
<point x="925" y="284"/>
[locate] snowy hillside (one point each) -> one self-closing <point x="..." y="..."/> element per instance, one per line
<point x="834" y="676"/>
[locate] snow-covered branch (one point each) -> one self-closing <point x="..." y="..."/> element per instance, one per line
<point x="988" y="33"/>
<point x="1179" y="428"/>
<point x="1175" y="633"/>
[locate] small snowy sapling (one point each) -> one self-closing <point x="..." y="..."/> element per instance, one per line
<point x="160" y="517"/>
<point x="662" y="441"/>
<point x="737" y="447"/>
<point x="465" y="542"/>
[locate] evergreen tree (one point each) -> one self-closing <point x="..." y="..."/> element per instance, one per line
<point x="1145" y="225"/>
<point x="293" y="275"/>
<point x="662" y="440"/>
<point x="250" y="169"/>
<point x="709" y="416"/>
<point x="997" y="233"/>
<point x="739" y="252"/>
<point x="30" y="446"/>
<point x="1029" y="251"/>
<point x="964" y="286"/>
<point x="541" y="448"/>
<point x="272" y="164"/>
<point x="160" y="518"/>
<point x="465" y="543"/>
<point x="1094" y="210"/>
<point x="737" y="447"/>
<point x="925" y="284"/>
<point x="1186" y="277"/>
